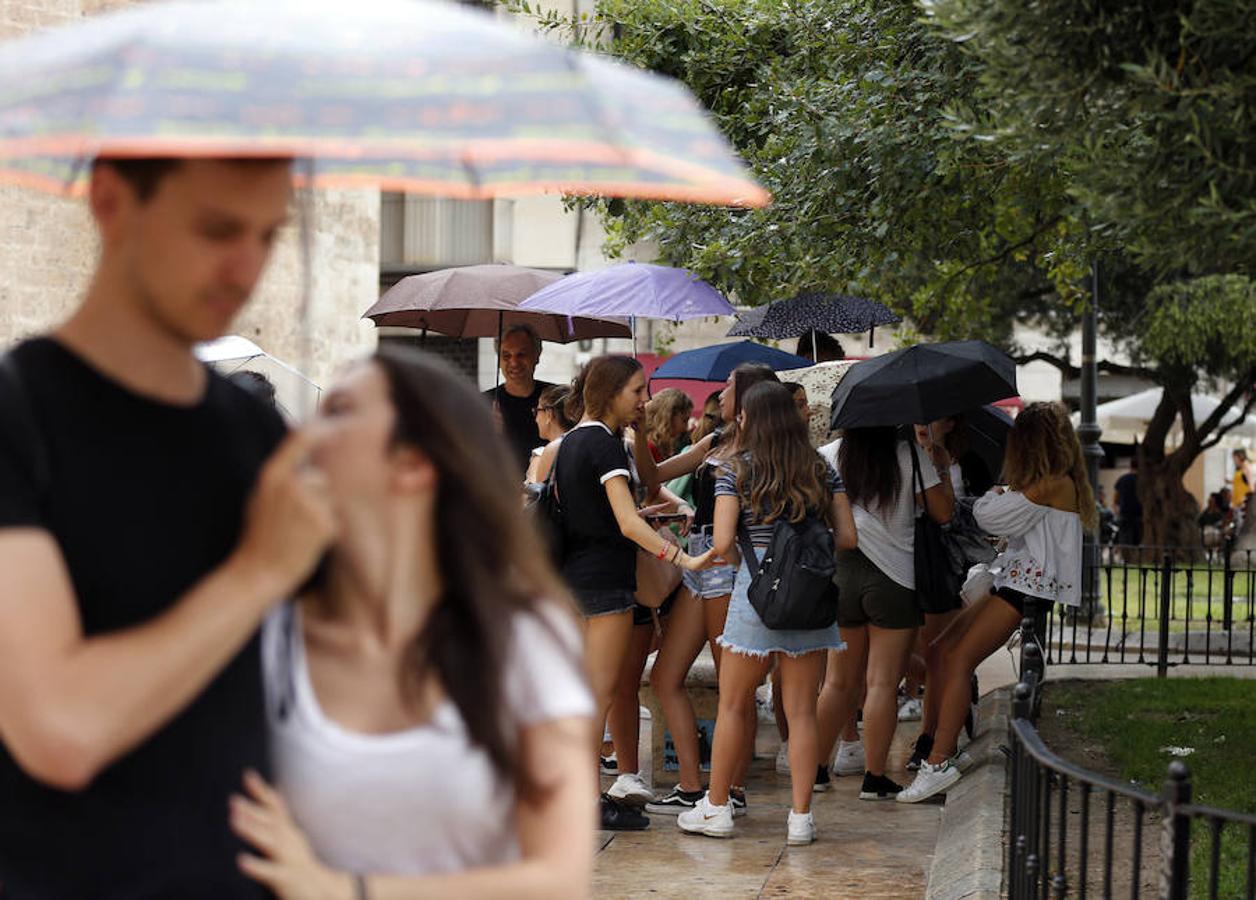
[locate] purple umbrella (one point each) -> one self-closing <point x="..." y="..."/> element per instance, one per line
<point x="638" y="290"/>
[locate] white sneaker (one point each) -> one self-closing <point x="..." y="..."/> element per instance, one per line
<point x="930" y="780"/>
<point x="782" y="759"/>
<point x="630" y="788"/>
<point x="704" y="818"/>
<point x="849" y="759"/>
<point x="911" y="710"/>
<point x="802" y="829"/>
<point x="963" y="761"/>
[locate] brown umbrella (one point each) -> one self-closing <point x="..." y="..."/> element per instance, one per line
<point x="482" y="301"/>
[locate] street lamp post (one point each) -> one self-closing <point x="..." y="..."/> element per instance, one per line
<point x="1088" y="432"/>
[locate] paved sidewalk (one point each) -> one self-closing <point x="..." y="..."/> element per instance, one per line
<point x="865" y="849"/>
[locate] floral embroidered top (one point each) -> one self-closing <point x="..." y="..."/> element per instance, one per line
<point x="1044" y="546"/>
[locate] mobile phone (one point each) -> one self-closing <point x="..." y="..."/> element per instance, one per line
<point x="661" y="519"/>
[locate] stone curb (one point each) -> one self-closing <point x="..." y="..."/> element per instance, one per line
<point x="968" y="857"/>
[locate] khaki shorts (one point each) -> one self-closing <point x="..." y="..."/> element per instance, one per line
<point x="867" y="596"/>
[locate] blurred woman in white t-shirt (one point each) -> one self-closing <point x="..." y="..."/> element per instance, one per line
<point x="429" y="714"/>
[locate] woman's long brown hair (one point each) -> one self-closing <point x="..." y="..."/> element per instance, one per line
<point x="779" y="473"/>
<point x="493" y="564"/>
<point x="1042" y="444"/>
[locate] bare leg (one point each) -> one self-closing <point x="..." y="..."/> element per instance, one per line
<point x="605" y="645"/>
<point x="934" y="626"/>
<point x="978" y="631"/>
<point x="800" y="680"/>
<point x="778" y="708"/>
<point x="843" y="688"/>
<point x="716" y="611"/>
<point x="887" y="658"/>
<point x="625" y="711"/>
<point x="682" y="641"/>
<point x="739" y="676"/>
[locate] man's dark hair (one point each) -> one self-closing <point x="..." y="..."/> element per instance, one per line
<point x="826" y="347"/>
<point x="143" y="175"/>
<point x="256" y="384"/>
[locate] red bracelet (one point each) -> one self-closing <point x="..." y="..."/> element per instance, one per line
<point x="663" y="552"/>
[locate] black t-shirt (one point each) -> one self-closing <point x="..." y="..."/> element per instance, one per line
<point x="597" y="556"/>
<point x="519" y="420"/>
<point x="1126" y="489"/>
<point x="145" y="499"/>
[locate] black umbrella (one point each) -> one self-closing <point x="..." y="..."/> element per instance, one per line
<point x="987" y="429"/>
<point x="922" y="383"/>
<point x="814" y="312"/>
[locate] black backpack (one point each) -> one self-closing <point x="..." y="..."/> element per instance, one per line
<point x="792" y="589"/>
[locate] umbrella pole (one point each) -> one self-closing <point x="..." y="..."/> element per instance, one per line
<point x="305" y="234"/>
<point x="871" y="332"/>
<point x="497" y="357"/>
<point x="815" y="354"/>
<point x="632" y="321"/>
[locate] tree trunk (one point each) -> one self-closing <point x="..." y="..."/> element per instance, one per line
<point x="1170" y="512"/>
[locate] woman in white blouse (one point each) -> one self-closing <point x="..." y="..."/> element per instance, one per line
<point x="1042" y="514"/>
<point x="429" y="715"/>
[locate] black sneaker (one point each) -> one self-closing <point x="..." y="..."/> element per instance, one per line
<point x="737" y="800"/>
<point x="675" y="802"/>
<point x="823" y="782"/>
<point x="970" y="720"/>
<point x="924" y="746"/>
<point x="617" y="816"/>
<point x="878" y="787"/>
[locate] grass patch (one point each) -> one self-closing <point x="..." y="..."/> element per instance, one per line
<point x="1136" y="720"/>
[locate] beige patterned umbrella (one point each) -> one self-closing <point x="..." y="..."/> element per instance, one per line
<point x="819" y="381"/>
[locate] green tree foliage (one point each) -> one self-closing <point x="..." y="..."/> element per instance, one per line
<point x="966" y="160"/>
<point x="1150" y="106"/>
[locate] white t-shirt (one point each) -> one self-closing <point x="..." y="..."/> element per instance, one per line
<point x="420" y="801"/>
<point x="888" y="536"/>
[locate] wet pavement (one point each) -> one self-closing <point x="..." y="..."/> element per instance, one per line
<point x="865" y="849"/>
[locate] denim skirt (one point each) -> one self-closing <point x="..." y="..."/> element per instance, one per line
<point x="745" y="633"/>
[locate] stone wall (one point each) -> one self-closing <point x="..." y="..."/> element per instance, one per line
<point x="48" y="249"/>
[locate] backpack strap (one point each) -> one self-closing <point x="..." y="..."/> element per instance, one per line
<point x="25" y="417"/>
<point x="745" y="545"/>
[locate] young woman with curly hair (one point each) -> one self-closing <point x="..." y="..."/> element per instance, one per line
<point x="1042" y="514"/>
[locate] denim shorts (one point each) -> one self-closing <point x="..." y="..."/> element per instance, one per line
<point x="644" y="615"/>
<point x="595" y="602"/>
<point x="745" y="633"/>
<point x="709" y="583"/>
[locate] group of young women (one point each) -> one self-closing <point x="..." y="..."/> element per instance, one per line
<point x="757" y="466"/>
<point x="436" y="695"/>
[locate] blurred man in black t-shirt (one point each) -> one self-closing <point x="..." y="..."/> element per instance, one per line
<point x="140" y="548"/>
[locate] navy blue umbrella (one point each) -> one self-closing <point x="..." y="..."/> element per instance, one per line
<point x="813" y="312"/>
<point x="922" y="383"/>
<point x="716" y="362"/>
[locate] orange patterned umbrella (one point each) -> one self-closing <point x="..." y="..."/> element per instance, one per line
<point x="411" y="95"/>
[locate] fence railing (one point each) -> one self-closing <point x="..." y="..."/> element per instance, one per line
<point x="1162" y="606"/>
<point x="1074" y="832"/>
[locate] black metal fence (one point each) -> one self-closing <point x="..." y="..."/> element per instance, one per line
<point x="1162" y="606"/>
<point x="1075" y="833"/>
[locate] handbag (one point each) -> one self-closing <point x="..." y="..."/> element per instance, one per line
<point x="546" y="508"/>
<point x="657" y="578"/>
<point x="938" y="577"/>
<point x="792" y="586"/>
